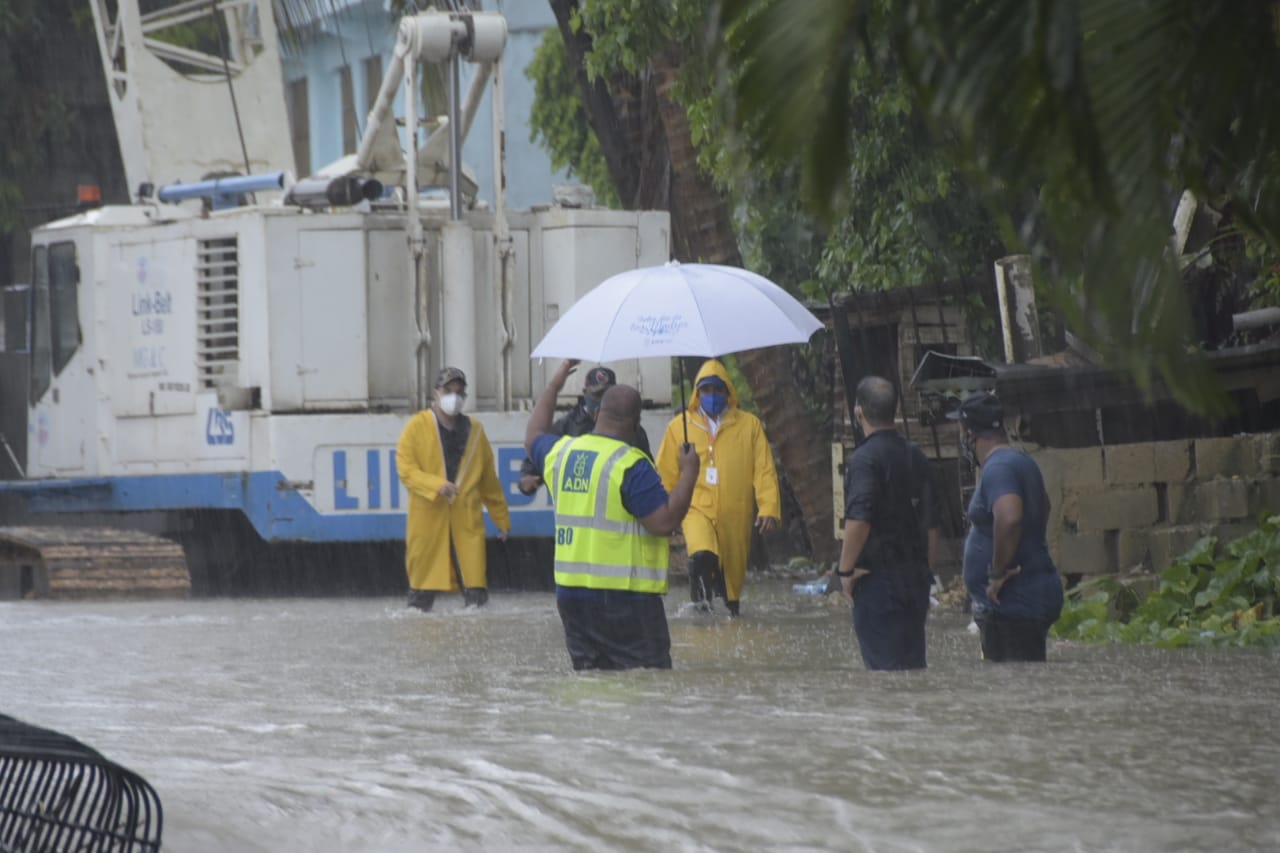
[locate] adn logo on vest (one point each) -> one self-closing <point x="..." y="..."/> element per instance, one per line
<point x="577" y="471"/>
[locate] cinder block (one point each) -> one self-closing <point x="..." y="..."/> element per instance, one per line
<point x="1133" y="548"/>
<point x="1053" y="538"/>
<point x="1083" y="553"/>
<point x="1051" y="471"/>
<point x="1179" y="504"/>
<point x="1265" y="496"/>
<point x="1070" y="510"/>
<point x="1169" y="543"/>
<point x="1172" y="460"/>
<point x="1129" y="464"/>
<point x="1116" y="508"/>
<point x="1267" y="445"/>
<point x="1234" y="456"/>
<point x="1222" y="500"/>
<point x="1082" y="466"/>
<point x="1228" y="533"/>
<point x="1070" y="506"/>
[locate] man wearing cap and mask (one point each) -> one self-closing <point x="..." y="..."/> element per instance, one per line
<point x="1012" y="581"/>
<point x="446" y="462"/>
<point x="580" y="420"/>
<point x="738" y="486"/>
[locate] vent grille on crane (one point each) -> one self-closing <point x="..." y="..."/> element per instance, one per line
<point x="217" y="312"/>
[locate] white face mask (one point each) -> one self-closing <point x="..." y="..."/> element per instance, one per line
<point x="451" y="403"/>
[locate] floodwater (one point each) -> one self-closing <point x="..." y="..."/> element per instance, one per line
<point x="356" y="724"/>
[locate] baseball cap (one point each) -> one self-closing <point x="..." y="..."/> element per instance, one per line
<point x="980" y="411"/>
<point x="450" y="374"/>
<point x="598" y="379"/>
<point x="714" y="381"/>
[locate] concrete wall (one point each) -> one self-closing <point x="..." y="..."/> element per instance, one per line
<point x="1131" y="506"/>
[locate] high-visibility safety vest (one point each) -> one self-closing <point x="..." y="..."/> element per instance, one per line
<point x="599" y="545"/>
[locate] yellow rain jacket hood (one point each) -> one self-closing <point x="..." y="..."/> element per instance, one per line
<point x="433" y="521"/>
<point x="739" y="460"/>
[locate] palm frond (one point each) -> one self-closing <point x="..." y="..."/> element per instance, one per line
<point x="1107" y="110"/>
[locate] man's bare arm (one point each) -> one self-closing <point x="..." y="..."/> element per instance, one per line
<point x="545" y="408"/>
<point x="665" y="519"/>
<point x="856" y="534"/>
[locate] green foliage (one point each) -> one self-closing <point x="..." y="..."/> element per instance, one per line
<point x="628" y="34"/>
<point x="1265" y="289"/>
<point x="1229" y="600"/>
<point x="982" y="325"/>
<point x="911" y="219"/>
<point x="202" y="34"/>
<point x="1079" y="121"/>
<point x="36" y="121"/>
<point x="558" y="120"/>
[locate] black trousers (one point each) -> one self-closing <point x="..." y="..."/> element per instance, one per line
<point x="1005" y="639"/>
<point x="613" y="629"/>
<point x="889" y="612"/>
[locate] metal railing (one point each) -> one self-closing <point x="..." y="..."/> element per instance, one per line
<point x="59" y="794"/>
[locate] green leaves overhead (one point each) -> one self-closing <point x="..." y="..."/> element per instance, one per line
<point x="791" y="73"/>
<point x="558" y="121"/>
<point x="37" y="119"/>
<point x="905" y="217"/>
<point x="1080" y="121"/>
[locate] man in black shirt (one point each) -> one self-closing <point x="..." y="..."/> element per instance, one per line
<point x="580" y="420"/>
<point x="891" y="526"/>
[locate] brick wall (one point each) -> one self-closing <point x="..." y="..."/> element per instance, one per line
<point x="1130" y="506"/>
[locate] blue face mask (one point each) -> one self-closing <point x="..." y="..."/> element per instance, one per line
<point x="713" y="402"/>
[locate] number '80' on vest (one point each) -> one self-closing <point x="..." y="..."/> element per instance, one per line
<point x="599" y="544"/>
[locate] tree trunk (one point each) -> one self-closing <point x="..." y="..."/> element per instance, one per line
<point x="644" y="135"/>
<point x="703" y="231"/>
<point x="805" y="461"/>
<point x="622" y="116"/>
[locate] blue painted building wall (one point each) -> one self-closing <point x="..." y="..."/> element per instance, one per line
<point x="363" y="28"/>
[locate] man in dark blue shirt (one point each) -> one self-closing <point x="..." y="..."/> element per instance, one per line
<point x="611" y="575"/>
<point x="1012" y="581"/>
<point x="891" y="525"/>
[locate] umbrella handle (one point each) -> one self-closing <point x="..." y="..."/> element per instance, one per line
<point x="684" y="417"/>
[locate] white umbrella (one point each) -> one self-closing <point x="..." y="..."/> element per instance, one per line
<point x="678" y="309"/>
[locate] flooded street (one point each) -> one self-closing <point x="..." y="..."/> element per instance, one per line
<point x="356" y="724"/>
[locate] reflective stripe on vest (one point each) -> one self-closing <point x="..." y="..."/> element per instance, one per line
<point x="599" y="544"/>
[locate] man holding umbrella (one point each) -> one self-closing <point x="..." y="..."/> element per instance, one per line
<point x="738" y="485"/>
<point x="613" y="517"/>
<point x="677" y="310"/>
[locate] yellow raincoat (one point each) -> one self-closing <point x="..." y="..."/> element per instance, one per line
<point x="722" y="514"/>
<point x="433" y="520"/>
